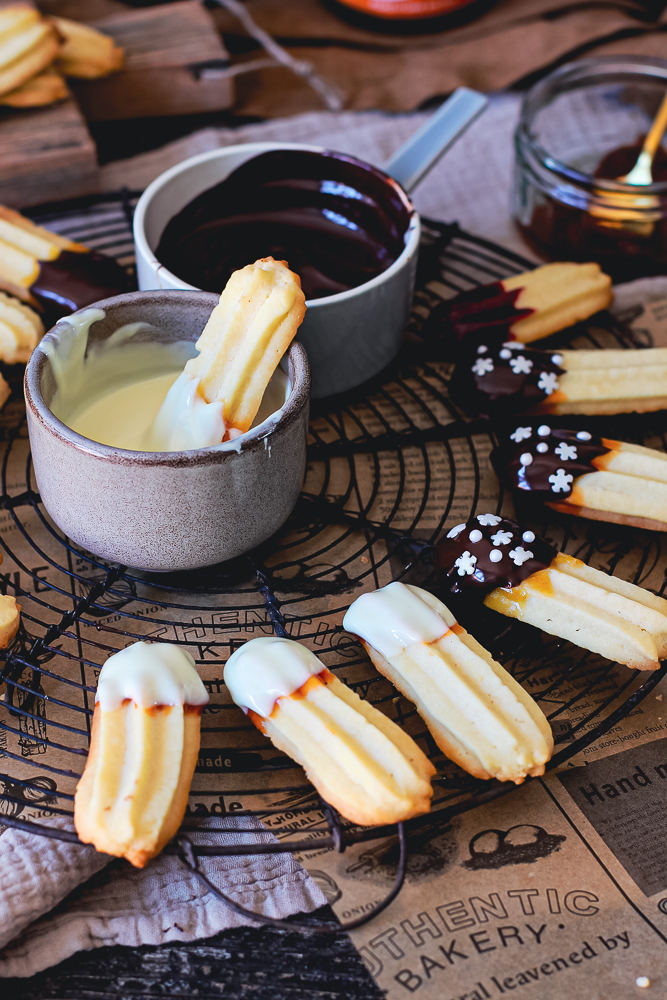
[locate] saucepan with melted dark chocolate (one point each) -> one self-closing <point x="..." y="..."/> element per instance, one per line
<point x="348" y="229"/>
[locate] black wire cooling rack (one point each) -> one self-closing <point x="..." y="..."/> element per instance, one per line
<point x="390" y="467"/>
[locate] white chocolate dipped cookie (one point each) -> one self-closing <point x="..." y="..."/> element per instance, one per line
<point x="517" y="573"/>
<point x="144" y="745"/>
<point x="359" y="761"/>
<point x="476" y="712"/>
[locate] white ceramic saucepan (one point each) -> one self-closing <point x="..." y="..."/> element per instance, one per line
<point x="351" y="335"/>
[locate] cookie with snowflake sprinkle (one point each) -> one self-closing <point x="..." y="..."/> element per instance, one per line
<point x="495" y="378"/>
<point x="575" y="472"/>
<point x="515" y="572"/>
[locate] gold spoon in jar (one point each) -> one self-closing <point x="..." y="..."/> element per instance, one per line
<point x="642" y="172"/>
<point x="635" y="212"/>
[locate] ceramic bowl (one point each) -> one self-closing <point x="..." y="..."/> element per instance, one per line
<point x="167" y="511"/>
<point x="350" y="336"/>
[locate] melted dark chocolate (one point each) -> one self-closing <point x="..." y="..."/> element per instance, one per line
<point x="489" y="552"/>
<point x="620" y="162"/>
<point x="337" y="221"/>
<point x="488" y="309"/>
<point x="505" y="377"/>
<point x="546" y="460"/>
<point x="75" y="280"/>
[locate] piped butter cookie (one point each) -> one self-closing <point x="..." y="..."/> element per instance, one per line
<point x="519" y="574"/>
<point x="575" y="472"/>
<point x="476" y="712"/>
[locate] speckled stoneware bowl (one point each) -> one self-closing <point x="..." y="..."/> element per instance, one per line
<point x="166" y="511"/>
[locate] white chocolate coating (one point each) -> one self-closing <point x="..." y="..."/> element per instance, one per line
<point x="185" y="420"/>
<point x="266" y="669"/>
<point x="150" y="674"/>
<point x="396" y="616"/>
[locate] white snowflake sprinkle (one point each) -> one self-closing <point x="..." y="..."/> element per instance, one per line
<point x="561" y="481"/>
<point x="542" y="447"/>
<point x="495" y="555"/>
<point x="456" y="530"/>
<point x="482" y="349"/>
<point x="566" y="452"/>
<point x="643" y="982"/>
<point x="548" y="383"/>
<point x="489" y="520"/>
<point x="501" y="537"/>
<point x="465" y="564"/>
<point x="483" y="366"/>
<point x="544" y="430"/>
<point x="557" y="359"/>
<point x="519" y="555"/>
<point x="475" y="535"/>
<point x="521" y="434"/>
<point x="513" y="345"/>
<point x="505" y="354"/>
<point x="526" y="458"/>
<point x="528" y="536"/>
<point x="521" y="365"/>
<point x="583" y="436"/>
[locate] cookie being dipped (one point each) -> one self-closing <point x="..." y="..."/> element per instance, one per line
<point x="359" y="761"/>
<point x="476" y="712"/>
<point x="526" y="307"/>
<point x="219" y="392"/>
<point x="519" y="574"/>
<point x="575" y="472"/>
<point x="143" y="750"/>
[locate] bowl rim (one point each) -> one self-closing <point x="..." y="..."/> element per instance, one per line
<point x="143" y="248"/>
<point x="298" y="374"/>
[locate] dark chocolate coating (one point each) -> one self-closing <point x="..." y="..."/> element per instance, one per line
<point x="550" y="473"/>
<point x="465" y="566"/>
<point x="337" y="222"/>
<point x="504" y="378"/>
<point x="75" y="280"/>
<point x="473" y="314"/>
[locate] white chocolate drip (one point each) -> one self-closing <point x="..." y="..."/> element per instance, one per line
<point x="396" y="616"/>
<point x="266" y="669"/>
<point x="185" y="420"/>
<point x="150" y="674"/>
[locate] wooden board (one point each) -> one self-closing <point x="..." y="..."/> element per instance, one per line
<point x="173" y="54"/>
<point x="45" y="155"/>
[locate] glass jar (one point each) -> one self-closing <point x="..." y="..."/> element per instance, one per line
<point x="408" y="17"/>
<point x="581" y="127"/>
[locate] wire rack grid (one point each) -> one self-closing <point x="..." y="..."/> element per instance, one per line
<point x="390" y="466"/>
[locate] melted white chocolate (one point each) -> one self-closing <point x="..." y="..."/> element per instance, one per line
<point x="396" y="616"/>
<point x="150" y="674"/>
<point x="130" y="392"/>
<point x="266" y="669"/>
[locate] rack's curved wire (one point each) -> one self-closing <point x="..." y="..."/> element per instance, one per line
<point x="404" y="430"/>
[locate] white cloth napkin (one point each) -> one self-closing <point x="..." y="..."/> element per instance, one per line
<point x="57" y="898"/>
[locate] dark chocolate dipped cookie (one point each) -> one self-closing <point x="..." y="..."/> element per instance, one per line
<point x="519" y="574"/>
<point x="578" y="473"/>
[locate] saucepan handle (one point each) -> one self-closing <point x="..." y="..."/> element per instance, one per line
<point x="410" y="164"/>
